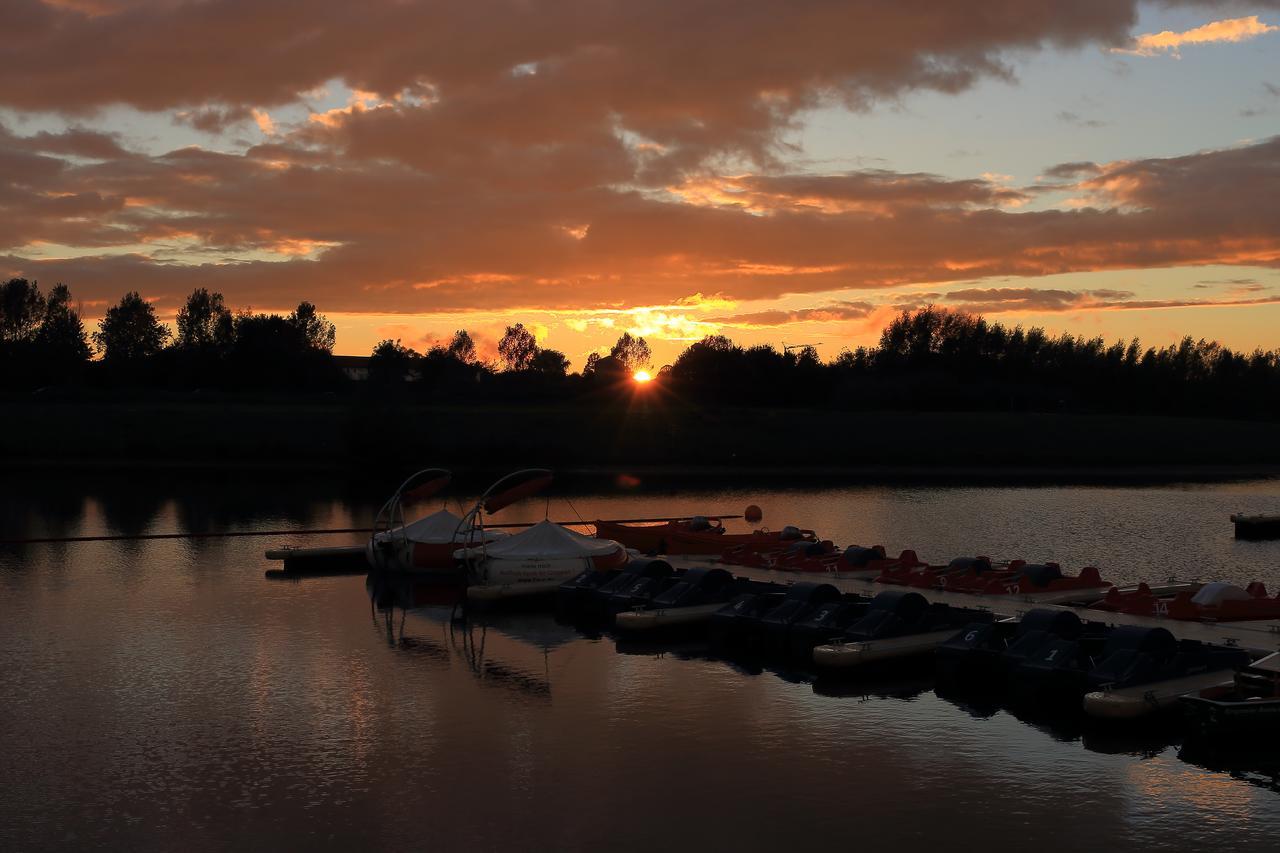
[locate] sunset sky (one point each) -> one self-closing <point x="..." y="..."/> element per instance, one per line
<point x="777" y="172"/>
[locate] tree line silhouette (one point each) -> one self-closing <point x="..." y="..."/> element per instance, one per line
<point x="929" y="359"/>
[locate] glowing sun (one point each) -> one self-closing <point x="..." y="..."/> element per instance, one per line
<point x="642" y="376"/>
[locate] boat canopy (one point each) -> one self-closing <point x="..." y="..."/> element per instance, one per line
<point x="438" y="528"/>
<point x="1213" y="594"/>
<point x="548" y="540"/>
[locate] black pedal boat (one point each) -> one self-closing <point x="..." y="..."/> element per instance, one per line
<point x="751" y="621"/>
<point x="897" y="624"/>
<point x="1121" y="659"/>
<point x="690" y="601"/>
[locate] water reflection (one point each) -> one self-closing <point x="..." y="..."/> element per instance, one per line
<point x="164" y="691"/>
<point x="441" y="629"/>
<point x="1255" y="763"/>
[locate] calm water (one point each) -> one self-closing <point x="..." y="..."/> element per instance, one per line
<point x="164" y="695"/>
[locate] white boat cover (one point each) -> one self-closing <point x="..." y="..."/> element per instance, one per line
<point x="435" y="529"/>
<point x="1213" y="594"/>
<point x="547" y="540"/>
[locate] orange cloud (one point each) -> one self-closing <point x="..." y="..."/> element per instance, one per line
<point x="454" y="243"/>
<point x="834" y="312"/>
<point x="1230" y="30"/>
<point x="999" y="300"/>
<point x="621" y="176"/>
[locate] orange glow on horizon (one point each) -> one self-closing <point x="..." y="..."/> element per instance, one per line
<point x="642" y="376"/>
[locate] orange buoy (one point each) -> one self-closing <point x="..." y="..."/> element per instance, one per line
<point x="753" y="514"/>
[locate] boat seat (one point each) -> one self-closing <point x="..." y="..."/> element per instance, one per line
<point x="1061" y="623"/>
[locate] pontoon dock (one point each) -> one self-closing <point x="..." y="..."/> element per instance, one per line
<point x="1260" y="637"/>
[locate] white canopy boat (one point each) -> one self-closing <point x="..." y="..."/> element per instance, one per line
<point x="535" y="560"/>
<point x="426" y="545"/>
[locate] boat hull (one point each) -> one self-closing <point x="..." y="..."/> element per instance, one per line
<point x="666" y="538"/>
<point x="498" y="577"/>
<point x="1229" y="719"/>
<point x="413" y="557"/>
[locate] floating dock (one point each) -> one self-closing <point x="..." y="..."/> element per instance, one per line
<point x="1256" y="526"/>
<point x="1259" y="637"/>
<point x="331" y="560"/>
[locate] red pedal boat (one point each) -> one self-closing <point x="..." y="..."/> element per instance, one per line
<point x="1136" y="602"/>
<point x="696" y="535"/>
<point x="859" y="562"/>
<point x="761" y="549"/>
<point x="1143" y="600"/>
<point x="1223" y="602"/>
<point x="806" y="557"/>
<point x="1046" y="580"/>
<point x="926" y="576"/>
<point x="854" y="561"/>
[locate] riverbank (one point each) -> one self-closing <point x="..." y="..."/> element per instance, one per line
<point x="663" y="439"/>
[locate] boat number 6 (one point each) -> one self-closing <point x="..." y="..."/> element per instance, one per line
<point x="971" y="636"/>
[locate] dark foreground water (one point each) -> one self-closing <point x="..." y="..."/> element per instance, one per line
<point x="165" y="696"/>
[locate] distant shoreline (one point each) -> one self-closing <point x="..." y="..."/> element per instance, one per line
<point x="664" y="444"/>
<point x="848" y="475"/>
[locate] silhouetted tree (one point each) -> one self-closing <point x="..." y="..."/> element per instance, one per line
<point x="21" y="310"/>
<point x="631" y="353"/>
<point x="130" y="332"/>
<point x="271" y="351"/>
<point x="461" y="347"/>
<point x="317" y="332"/>
<point x="391" y="362"/>
<point x="608" y="370"/>
<point x="549" y="362"/>
<point x="61" y="344"/>
<point x="707" y="364"/>
<point x="518" y="347"/>
<point x="42" y="340"/>
<point x="205" y="323"/>
<point x="930" y="358"/>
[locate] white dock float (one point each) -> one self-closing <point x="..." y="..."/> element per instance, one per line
<point x="1128" y="703"/>
<point x="289" y="552"/>
<point x="855" y="653"/>
<point x="649" y="620"/>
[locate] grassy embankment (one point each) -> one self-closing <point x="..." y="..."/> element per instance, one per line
<point x="337" y="432"/>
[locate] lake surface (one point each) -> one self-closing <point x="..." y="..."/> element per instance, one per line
<point x="163" y="695"/>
